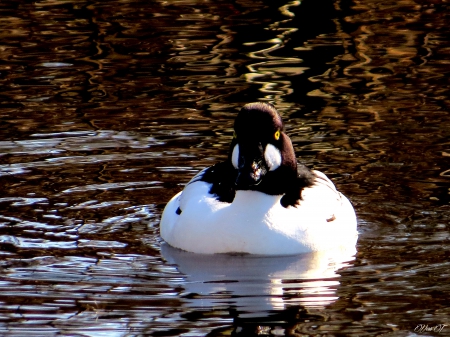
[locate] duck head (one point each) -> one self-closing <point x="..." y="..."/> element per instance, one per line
<point x="260" y="151"/>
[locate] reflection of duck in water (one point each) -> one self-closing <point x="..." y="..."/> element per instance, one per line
<point x="259" y="201"/>
<point x="257" y="285"/>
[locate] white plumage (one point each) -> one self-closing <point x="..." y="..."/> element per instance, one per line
<point x="256" y="223"/>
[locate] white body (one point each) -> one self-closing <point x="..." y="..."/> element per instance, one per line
<point x="257" y="223"/>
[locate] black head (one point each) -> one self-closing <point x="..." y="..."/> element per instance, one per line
<point x="261" y="152"/>
<point x="258" y="121"/>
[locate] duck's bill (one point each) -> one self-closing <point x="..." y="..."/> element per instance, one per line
<point x="252" y="167"/>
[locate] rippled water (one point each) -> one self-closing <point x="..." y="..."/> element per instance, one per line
<point x="108" y="108"/>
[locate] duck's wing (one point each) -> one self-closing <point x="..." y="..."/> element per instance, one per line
<point x="222" y="177"/>
<point x="320" y="179"/>
<point x="305" y="178"/>
<point x="314" y="190"/>
<point x="198" y="176"/>
<point x="324" y="195"/>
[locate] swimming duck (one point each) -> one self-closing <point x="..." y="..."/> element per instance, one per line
<point x="259" y="200"/>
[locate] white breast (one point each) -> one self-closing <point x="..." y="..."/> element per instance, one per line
<point x="256" y="223"/>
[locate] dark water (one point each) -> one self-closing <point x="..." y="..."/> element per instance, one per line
<point x="107" y="108"/>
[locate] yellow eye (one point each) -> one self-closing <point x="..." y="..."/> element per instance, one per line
<point x="234" y="134"/>
<point x="277" y="135"/>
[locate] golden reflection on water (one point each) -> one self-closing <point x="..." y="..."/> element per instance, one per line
<point x="271" y="72"/>
<point x="108" y="108"/>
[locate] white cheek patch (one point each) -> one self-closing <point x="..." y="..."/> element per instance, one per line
<point x="272" y="156"/>
<point x="235" y="157"/>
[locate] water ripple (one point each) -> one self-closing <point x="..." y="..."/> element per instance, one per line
<point x="108" y="108"/>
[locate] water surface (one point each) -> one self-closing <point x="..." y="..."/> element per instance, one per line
<point x="108" y="108"/>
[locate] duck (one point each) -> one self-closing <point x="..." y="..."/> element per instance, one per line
<point x="260" y="200"/>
